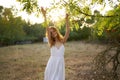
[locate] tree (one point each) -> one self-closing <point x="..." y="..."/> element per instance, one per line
<point x="10" y="27"/>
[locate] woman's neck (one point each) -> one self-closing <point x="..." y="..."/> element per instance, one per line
<point x="56" y="39"/>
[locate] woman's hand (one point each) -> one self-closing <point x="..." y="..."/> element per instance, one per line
<point x="44" y="15"/>
<point x="43" y="11"/>
<point x="67" y="19"/>
<point x="67" y="15"/>
<point x="49" y="30"/>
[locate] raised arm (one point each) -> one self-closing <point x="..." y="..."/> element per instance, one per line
<point x="44" y="15"/>
<point x="67" y="29"/>
<point x="45" y="21"/>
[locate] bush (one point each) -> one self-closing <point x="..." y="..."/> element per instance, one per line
<point x="79" y="34"/>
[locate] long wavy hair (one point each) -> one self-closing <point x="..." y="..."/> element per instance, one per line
<point x="59" y="36"/>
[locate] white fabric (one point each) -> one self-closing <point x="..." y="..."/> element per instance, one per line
<point x="55" y="69"/>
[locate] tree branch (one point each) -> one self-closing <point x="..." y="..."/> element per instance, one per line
<point x="98" y="15"/>
<point x="78" y="9"/>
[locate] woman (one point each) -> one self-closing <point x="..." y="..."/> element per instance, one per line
<point x="55" y="69"/>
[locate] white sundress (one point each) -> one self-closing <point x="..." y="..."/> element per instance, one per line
<point x="55" y="69"/>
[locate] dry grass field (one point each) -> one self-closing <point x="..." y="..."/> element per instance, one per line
<point x="28" y="61"/>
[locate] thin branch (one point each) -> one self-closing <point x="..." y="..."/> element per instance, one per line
<point x="98" y="15"/>
<point x="78" y="9"/>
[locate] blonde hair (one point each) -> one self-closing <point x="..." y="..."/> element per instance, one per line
<point x="59" y="36"/>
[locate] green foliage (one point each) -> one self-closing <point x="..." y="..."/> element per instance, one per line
<point x="108" y="27"/>
<point x="37" y="31"/>
<point x="80" y="11"/>
<point x="29" y="5"/>
<point x="1" y="8"/>
<point x="80" y="34"/>
<point x="10" y="28"/>
<point x="77" y="34"/>
<point x="86" y="9"/>
<point x="98" y="1"/>
<point x="14" y="29"/>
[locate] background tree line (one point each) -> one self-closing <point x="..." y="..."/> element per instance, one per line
<point x="15" y="30"/>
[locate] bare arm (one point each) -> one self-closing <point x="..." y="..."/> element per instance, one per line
<point x="44" y="15"/>
<point x="67" y="29"/>
<point x="45" y="20"/>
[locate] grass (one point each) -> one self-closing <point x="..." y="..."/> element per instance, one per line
<point x="28" y="62"/>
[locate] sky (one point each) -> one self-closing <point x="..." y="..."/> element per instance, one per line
<point x="32" y="18"/>
<point x="46" y="3"/>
